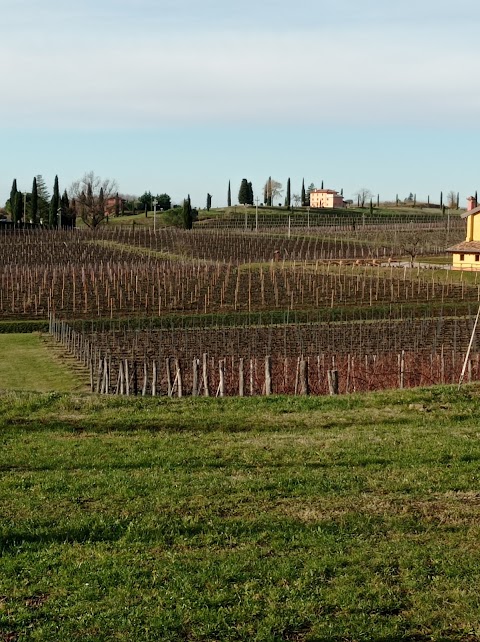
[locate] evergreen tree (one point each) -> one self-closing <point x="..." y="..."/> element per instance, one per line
<point x="269" y="192"/>
<point x="209" y="202"/>
<point x="164" y="202"/>
<point x="17" y="212"/>
<point x="187" y="214"/>
<point x="310" y="189"/>
<point x="34" y="203"/>
<point x="288" y="197"/>
<point x="13" y="194"/>
<point x="250" y="193"/>
<point x="102" y="202"/>
<point x="146" y="199"/>
<point x="303" y="196"/>
<point x="54" y="205"/>
<point x="321" y="186"/>
<point x="69" y="211"/>
<point x="265" y="193"/>
<point x="117" y="205"/>
<point x="441" y="199"/>
<point x="229" y="196"/>
<point x="243" y="192"/>
<point x="43" y="199"/>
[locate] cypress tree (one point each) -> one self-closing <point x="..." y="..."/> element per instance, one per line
<point x="187" y="214"/>
<point x="101" y="204"/>
<point x="209" y="202"/>
<point x="303" y="192"/>
<point x="17" y="211"/>
<point x="250" y="193"/>
<point x="288" y="198"/>
<point x="265" y="193"/>
<point x="13" y="194"/>
<point x="65" y="210"/>
<point x="34" y="202"/>
<point x="243" y="192"/>
<point x="229" y="196"/>
<point x="117" y="205"/>
<point x="54" y="205"/>
<point x="269" y="192"/>
<point x="441" y="199"/>
<point x="321" y="186"/>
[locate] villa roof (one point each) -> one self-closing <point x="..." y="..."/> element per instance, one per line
<point x="475" y="210"/>
<point x="466" y="247"/>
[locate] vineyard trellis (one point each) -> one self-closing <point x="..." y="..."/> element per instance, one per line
<point x="220" y="312"/>
<point x="141" y="364"/>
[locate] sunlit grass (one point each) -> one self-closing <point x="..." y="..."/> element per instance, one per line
<point x="27" y="364"/>
<point x="225" y="519"/>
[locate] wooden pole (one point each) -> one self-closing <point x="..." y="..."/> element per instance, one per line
<point x="221" y="374"/>
<point x="332" y="378"/>
<point x="268" y="376"/>
<point x="469" y="348"/>
<point x="169" y="377"/>
<point x="241" y="379"/>
<point x="206" y="392"/>
<point x="303" y="376"/>
<point x="195" y="377"/>
<point x="154" y="378"/>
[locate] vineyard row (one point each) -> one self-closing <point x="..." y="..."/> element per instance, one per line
<point x="205" y="374"/>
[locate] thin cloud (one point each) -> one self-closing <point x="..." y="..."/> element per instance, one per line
<point x="240" y="78"/>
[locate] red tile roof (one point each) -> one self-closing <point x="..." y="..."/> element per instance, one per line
<point x="466" y="247"/>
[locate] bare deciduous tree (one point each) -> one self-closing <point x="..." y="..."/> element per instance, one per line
<point x="91" y="194"/>
<point x="452" y="200"/>
<point x="272" y="190"/>
<point x="363" y="195"/>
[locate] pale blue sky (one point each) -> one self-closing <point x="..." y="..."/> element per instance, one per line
<point x="184" y="96"/>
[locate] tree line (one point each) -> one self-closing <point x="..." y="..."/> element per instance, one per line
<point x="272" y="191"/>
<point x="91" y="198"/>
<point x="37" y="207"/>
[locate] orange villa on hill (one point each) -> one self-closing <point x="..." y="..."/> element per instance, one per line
<point x="326" y="198"/>
<point x="466" y="255"/>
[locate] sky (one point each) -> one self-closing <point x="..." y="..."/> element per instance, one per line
<point x="184" y="96"/>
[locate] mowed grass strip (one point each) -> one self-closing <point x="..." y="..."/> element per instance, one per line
<point x="26" y="363"/>
<point x="356" y="518"/>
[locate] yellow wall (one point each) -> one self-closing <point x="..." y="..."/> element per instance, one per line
<point x="476" y="227"/>
<point x="468" y="262"/>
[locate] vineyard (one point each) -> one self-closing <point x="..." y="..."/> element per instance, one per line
<point x="243" y="312"/>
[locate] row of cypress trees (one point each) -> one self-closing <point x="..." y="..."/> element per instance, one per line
<point x="38" y="207"/>
<point x="245" y="194"/>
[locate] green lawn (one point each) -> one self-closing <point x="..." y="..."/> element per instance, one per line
<point x="350" y="518"/>
<point x="27" y="364"/>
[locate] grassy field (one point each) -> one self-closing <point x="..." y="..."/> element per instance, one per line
<point x="339" y="519"/>
<point x="26" y="363"/>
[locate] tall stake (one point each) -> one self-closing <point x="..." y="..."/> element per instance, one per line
<point x="469" y="348"/>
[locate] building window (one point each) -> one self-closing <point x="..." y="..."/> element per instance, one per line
<point x="462" y="257"/>
<point x="477" y="256"/>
